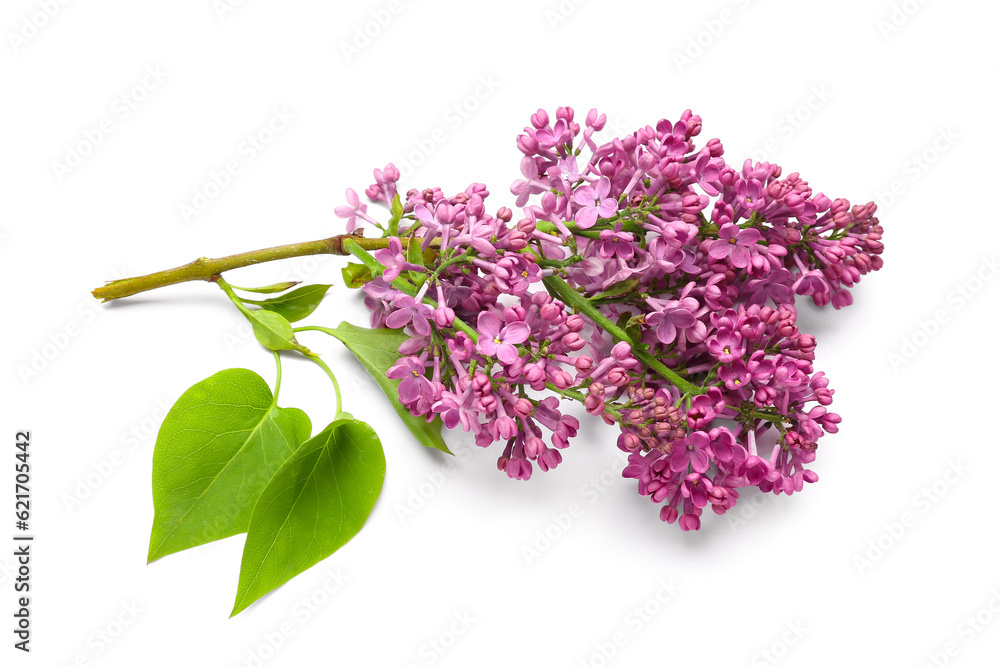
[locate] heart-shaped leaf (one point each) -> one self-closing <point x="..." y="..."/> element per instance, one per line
<point x="317" y="501"/>
<point x="217" y="448"/>
<point x="377" y="350"/>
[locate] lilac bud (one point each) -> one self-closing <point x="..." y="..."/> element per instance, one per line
<point x="540" y="119"/>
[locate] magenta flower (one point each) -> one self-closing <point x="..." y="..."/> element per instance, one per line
<point x="811" y="282"/>
<point x="394" y="261"/>
<point x="670" y="321"/>
<point x="693" y="451"/>
<point x="774" y="287"/>
<point x="734" y="243"/>
<point x="735" y="375"/>
<point x="616" y="244"/>
<point x="410" y="311"/>
<point x="750" y="194"/>
<point x="726" y="345"/>
<point x="351" y="212"/>
<point x="595" y="202"/>
<point x="696" y="487"/>
<point x="413" y="384"/>
<point x="497" y="341"/>
<point x="513" y="274"/>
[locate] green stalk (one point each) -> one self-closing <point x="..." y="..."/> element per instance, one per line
<point x="582" y="304"/>
<point x="209" y="269"/>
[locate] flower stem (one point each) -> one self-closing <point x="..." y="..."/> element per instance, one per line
<point x="207" y="269"/>
<point x="579" y="302"/>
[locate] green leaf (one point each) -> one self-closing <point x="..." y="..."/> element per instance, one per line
<point x="618" y="289"/>
<point x="414" y="255"/>
<point x="272" y="330"/>
<point x="356" y="275"/>
<point x="376" y="349"/>
<point x="397" y="214"/>
<point x="397" y="207"/>
<point x="218" y="446"/>
<point x="269" y="289"/>
<point x="313" y="505"/>
<point x="295" y="305"/>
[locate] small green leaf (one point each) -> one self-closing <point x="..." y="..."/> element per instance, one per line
<point x="414" y="255"/>
<point x="313" y="505"/>
<point x="397" y="207"/>
<point x="297" y="304"/>
<point x="269" y="289"/>
<point x="618" y="289"/>
<point x="377" y="350"/>
<point x="356" y="275"/>
<point x="272" y="330"/>
<point x="218" y="446"/>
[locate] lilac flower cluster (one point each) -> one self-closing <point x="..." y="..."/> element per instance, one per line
<point x="645" y="278"/>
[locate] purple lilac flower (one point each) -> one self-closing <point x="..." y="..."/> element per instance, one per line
<point x="498" y="341"/>
<point x="410" y="311"/>
<point x="734" y="243"/>
<point x="394" y="261"/>
<point x="595" y="202"/>
<point x="732" y="334"/>
<point x="352" y="211"/>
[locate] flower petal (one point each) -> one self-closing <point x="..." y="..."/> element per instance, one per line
<point x="586" y="217"/>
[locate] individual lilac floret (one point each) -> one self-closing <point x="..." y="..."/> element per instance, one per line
<point x="499" y="341"/>
<point x="595" y="202"/>
<point x="354" y="209"/>
<point x="410" y="311"/>
<point x="734" y="243"/>
<point x="394" y="261"/>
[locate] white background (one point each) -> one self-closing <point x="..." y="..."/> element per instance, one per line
<point x="883" y="561"/>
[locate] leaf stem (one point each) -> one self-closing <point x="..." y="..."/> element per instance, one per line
<point x="333" y="379"/>
<point x="277" y="378"/>
<point x="228" y="289"/>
